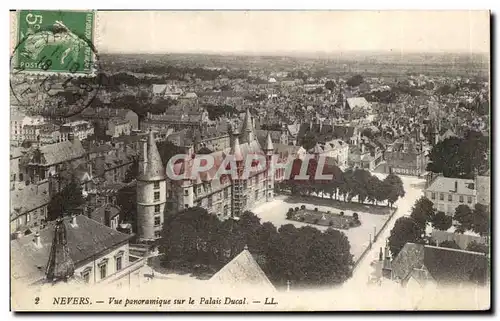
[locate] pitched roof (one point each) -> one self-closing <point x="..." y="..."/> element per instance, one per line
<point x="243" y="271"/>
<point x="358" y="102"/>
<point x="269" y="143"/>
<point x="62" y="152"/>
<point x="28" y="199"/>
<point x="444" y="265"/>
<point x="154" y="167"/>
<point x="86" y="239"/>
<point x="447" y="184"/>
<point x="99" y="213"/>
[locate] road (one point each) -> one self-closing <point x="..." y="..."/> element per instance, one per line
<point x="413" y="187"/>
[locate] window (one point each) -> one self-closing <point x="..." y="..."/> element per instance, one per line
<point x="103" y="270"/>
<point x="441" y="196"/>
<point x="198" y="189"/>
<point x="157" y="220"/>
<point x="118" y="261"/>
<point x="469" y="199"/>
<point x="433" y="196"/>
<point x="157" y="196"/>
<point x="256" y="194"/>
<point x="186" y="192"/>
<point x="210" y="201"/>
<point x="461" y="199"/>
<point x="157" y="208"/>
<point x="157" y="234"/>
<point x="156" y="185"/>
<point x="450" y="197"/>
<point x="186" y="205"/>
<point x="86" y="275"/>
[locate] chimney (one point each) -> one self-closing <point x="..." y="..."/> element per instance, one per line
<point x="73" y="221"/>
<point x="320" y="125"/>
<point x="107" y="217"/>
<point x="456" y="186"/>
<point x="37" y="240"/>
<point x="362" y="148"/>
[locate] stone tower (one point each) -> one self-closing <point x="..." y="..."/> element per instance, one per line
<point x="151" y="192"/>
<point x="270" y="174"/>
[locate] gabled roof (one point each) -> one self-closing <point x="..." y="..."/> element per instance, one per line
<point x="62" y="152"/>
<point x="444" y="265"/>
<point x="243" y="271"/>
<point x="358" y="102"/>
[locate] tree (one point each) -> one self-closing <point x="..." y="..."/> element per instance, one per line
<point x="361" y="179"/>
<point x="330" y="85"/>
<point x="442" y="221"/>
<point x="477" y="247"/>
<point x="405" y="230"/>
<point x="355" y="81"/>
<point x="450" y="244"/>
<point x="132" y="172"/>
<point x="67" y="200"/>
<point x="320" y="261"/>
<point x="393" y="186"/>
<point x="464" y="216"/>
<point x="423" y="212"/>
<point x="308" y="141"/>
<point x="481" y="219"/>
<point x="460" y="157"/>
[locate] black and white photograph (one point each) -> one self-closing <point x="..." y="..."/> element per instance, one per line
<point x="278" y="160"/>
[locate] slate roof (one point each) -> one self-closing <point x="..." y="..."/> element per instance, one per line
<point x="444" y="265"/>
<point x="154" y="167"/>
<point x="242" y="271"/>
<point x="98" y="213"/>
<point x="85" y="240"/>
<point x="27" y="199"/>
<point x="447" y="184"/>
<point x="62" y="152"/>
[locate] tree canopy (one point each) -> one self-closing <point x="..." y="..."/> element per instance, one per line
<point x="405" y="230"/>
<point x="305" y="256"/>
<point x="423" y="212"/>
<point x="441" y="221"/>
<point x="68" y="199"/>
<point x="460" y="157"/>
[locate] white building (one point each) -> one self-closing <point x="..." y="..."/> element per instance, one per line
<point x="447" y="193"/>
<point x="81" y="129"/>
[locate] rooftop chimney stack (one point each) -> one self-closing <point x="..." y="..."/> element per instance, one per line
<point x="107" y="217"/>
<point x="73" y="221"/>
<point x="456" y="186"/>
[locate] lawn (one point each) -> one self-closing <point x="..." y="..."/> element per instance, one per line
<point x="372" y="217"/>
<point x="335" y="220"/>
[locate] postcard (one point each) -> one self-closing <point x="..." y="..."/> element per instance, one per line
<point x="250" y="160"/>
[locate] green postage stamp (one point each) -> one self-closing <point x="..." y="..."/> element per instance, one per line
<point x="55" y="42"/>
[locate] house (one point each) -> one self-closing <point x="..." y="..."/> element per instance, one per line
<point x="28" y="208"/>
<point x="242" y="272"/>
<point x="80" y="129"/>
<point x="335" y="149"/>
<point x="107" y="214"/>
<point x="359" y="104"/>
<point x="405" y="157"/>
<point x="103" y="116"/>
<point x="424" y="264"/>
<point x="75" y="246"/>
<point x="16" y="175"/>
<point x="45" y="133"/>
<point x="48" y="160"/>
<point x="171" y="91"/>
<point x="462" y="239"/>
<point x="447" y="193"/>
<point x="118" y="126"/>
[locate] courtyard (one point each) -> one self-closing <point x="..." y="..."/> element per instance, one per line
<point x="372" y="217"/>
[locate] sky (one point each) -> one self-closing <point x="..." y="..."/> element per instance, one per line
<point x="292" y="31"/>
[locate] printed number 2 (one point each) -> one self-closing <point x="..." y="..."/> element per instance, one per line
<point x="37" y="299"/>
